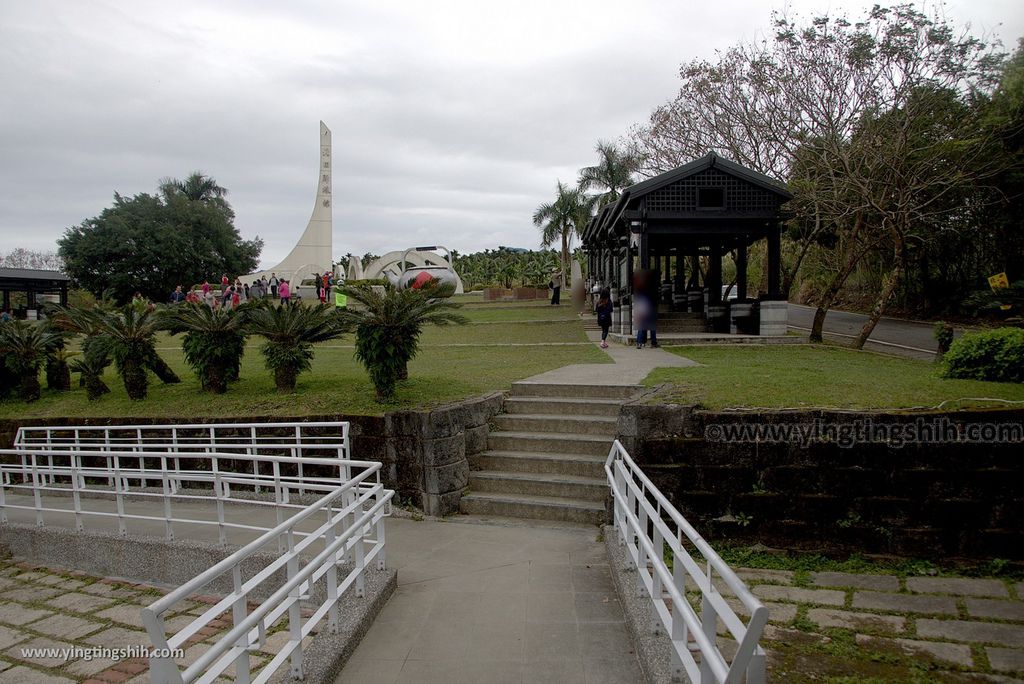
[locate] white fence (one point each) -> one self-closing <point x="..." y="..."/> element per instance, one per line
<point x="319" y="439"/>
<point x="216" y="475"/>
<point x="650" y="527"/>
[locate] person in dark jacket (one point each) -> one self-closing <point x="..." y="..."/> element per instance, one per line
<point x="604" y="315"/>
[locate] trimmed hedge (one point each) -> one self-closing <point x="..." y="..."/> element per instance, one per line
<point x="992" y="355"/>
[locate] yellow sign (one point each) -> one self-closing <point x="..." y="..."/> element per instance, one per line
<point x="340" y="300"/>
<point x="998" y="282"/>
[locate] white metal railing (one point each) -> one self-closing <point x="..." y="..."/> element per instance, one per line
<point x="352" y="538"/>
<point x="103" y="484"/>
<point x="648" y="524"/>
<point x="321" y="439"/>
<point x="108" y="484"/>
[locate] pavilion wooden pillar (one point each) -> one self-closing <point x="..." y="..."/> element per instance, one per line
<point x="715" y="274"/>
<point x="775" y="262"/>
<point x="645" y="251"/>
<point x="7" y="300"/>
<point x="741" y="269"/>
<point x="694" y="272"/>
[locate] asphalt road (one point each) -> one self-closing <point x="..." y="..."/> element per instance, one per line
<point x="891" y="335"/>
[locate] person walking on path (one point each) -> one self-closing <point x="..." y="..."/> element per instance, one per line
<point x="641" y="315"/>
<point x="274" y="284"/>
<point x="556" y="288"/>
<point x="284" y="290"/>
<point x="604" y="315"/>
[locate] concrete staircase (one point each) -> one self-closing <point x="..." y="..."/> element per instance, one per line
<point x="546" y="458"/>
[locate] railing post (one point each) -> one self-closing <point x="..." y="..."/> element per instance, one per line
<point x="381" y="542"/>
<point x="76" y="466"/>
<point x="332" y="577"/>
<point x="756" y="670"/>
<point x="238" y="614"/>
<point x="217" y="493"/>
<point x="708" y="623"/>
<point x="167" y="485"/>
<point x="119" y="485"/>
<point x="360" y="553"/>
<point x="659" y="547"/>
<point x="295" y="609"/>
<point x="37" y="492"/>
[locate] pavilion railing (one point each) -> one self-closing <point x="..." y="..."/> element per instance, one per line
<point x="650" y="527"/>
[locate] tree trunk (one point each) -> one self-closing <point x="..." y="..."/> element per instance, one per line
<point x="565" y="258"/>
<point x="94" y="386"/>
<point x="215" y="379"/>
<point x="58" y="375"/>
<point x="285" y="377"/>
<point x="136" y="383"/>
<point x="403" y="372"/>
<point x="828" y="298"/>
<point x="29" y="388"/>
<point x="889" y="285"/>
<point x="162" y="370"/>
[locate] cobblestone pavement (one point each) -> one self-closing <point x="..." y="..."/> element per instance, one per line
<point x="885" y="628"/>
<point x="50" y="608"/>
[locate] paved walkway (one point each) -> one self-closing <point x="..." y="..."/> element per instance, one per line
<point x="496" y="603"/>
<point x="631" y="366"/>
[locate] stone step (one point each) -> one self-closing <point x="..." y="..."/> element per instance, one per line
<point x="563" y="406"/>
<point x="539" y="484"/>
<point x="578" y="465"/>
<point x="681" y="327"/>
<point x="569" y="443"/>
<point x="538" y="389"/>
<point x="539" y="507"/>
<point x="553" y="422"/>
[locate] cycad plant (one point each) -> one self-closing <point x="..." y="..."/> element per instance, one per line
<point x="23" y="349"/>
<point x="58" y="373"/>
<point x="95" y="355"/>
<point x="291" y="332"/>
<point x="213" y="344"/>
<point x="388" y="326"/>
<point x="128" y="336"/>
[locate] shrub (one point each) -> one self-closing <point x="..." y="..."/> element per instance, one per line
<point x="992" y="355"/>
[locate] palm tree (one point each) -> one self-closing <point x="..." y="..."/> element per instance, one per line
<point x="388" y="327"/>
<point x="614" y="172"/>
<point x="23" y="347"/>
<point x="196" y="188"/>
<point x="562" y="219"/>
<point x="291" y="332"/>
<point x="214" y="342"/>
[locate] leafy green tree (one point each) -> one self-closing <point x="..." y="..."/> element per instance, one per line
<point x="563" y="219"/>
<point x="152" y="243"/>
<point x="214" y="342"/>
<point x="613" y="172"/>
<point x="388" y="325"/>
<point x="23" y="347"/>
<point x="290" y="332"/>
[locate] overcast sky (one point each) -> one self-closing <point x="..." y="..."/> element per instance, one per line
<point x="451" y="120"/>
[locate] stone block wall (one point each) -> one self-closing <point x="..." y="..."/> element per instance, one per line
<point x="423" y="453"/>
<point x="921" y="499"/>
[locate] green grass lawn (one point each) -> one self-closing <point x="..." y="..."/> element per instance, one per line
<point x="339" y="384"/>
<point x="794" y="376"/>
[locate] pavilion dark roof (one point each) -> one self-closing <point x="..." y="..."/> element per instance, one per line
<point x="33" y="274"/>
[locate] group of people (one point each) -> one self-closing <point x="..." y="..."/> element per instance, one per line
<point x="645" y="312"/>
<point x="233" y="294"/>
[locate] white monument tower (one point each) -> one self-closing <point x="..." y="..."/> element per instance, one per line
<point x="312" y="253"/>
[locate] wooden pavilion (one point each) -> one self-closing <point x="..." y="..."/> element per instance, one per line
<point x="33" y="283"/>
<point x="707" y="209"/>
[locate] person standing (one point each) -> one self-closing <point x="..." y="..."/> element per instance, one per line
<point x="604" y="315"/>
<point x="556" y="288"/>
<point x="641" y="315"/>
<point x="274" y="284"/>
<point x="285" y="292"/>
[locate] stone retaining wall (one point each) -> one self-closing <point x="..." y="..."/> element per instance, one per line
<point x="424" y="452"/>
<point x="922" y="499"/>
